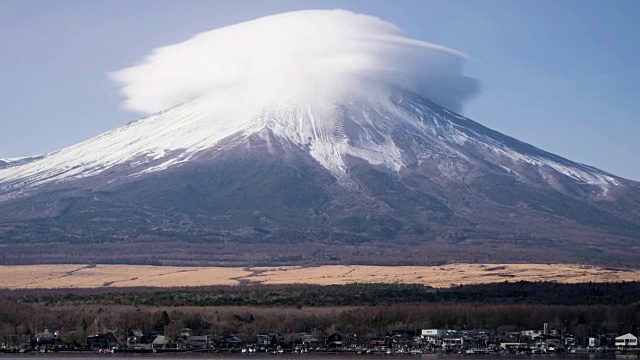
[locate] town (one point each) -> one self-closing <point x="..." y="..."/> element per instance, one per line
<point x="505" y="317"/>
<point x="469" y="341"/>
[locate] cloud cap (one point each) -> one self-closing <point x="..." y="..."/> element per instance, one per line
<point x="311" y="54"/>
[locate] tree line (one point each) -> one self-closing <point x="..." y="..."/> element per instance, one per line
<point x="22" y="321"/>
<point x="521" y="292"/>
<point x="368" y="310"/>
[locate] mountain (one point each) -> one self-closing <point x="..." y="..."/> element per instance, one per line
<point x="385" y="176"/>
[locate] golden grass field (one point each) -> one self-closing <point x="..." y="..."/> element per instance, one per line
<point x="94" y="276"/>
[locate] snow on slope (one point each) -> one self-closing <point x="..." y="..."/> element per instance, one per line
<point x="463" y="129"/>
<point x="174" y="136"/>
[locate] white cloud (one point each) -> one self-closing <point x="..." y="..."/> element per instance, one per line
<point x="311" y="54"/>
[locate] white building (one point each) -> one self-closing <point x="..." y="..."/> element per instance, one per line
<point x="531" y="333"/>
<point x="626" y="341"/>
<point x="433" y="337"/>
<point x="433" y="333"/>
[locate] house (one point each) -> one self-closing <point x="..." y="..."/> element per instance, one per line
<point x="179" y="344"/>
<point x="514" y="347"/>
<point x="307" y="340"/>
<point x="569" y="341"/>
<point x="626" y="341"/>
<point x="204" y="342"/>
<point x="231" y="342"/>
<point x="265" y="341"/>
<point x="60" y="347"/>
<point x="433" y="337"/>
<point x="43" y="339"/>
<point x="467" y="339"/>
<point x="453" y="342"/>
<point x="433" y="333"/>
<point x="160" y="342"/>
<point x="103" y="341"/>
<point x="137" y="339"/>
<point x="400" y="338"/>
<point x="547" y="343"/>
<point x="608" y="340"/>
<point x="555" y="345"/>
<point x="335" y="341"/>
<point x="477" y="338"/>
<point x="472" y="342"/>
<point x="531" y="334"/>
<point x="378" y="343"/>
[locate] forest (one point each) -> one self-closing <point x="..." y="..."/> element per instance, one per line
<point x="369" y="310"/>
<point x="520" y="292"/>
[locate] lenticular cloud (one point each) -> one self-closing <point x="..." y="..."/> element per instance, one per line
<point x="314" y="54"/>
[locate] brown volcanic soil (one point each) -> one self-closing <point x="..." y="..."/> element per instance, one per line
<point x="94" y="276"/>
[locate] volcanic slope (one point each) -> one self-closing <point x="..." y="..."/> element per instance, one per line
<point x="381" y="176"/>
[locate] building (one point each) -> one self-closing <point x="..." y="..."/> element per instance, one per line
<point x="307" y="340"/>
<point x="45" y="336"/>
<point x="453" y="342"/>
<point x="204" y="342"/>
<point x="103" y="341"/>
<point x="378" y="343"/>
<point x="400" y="339"/>
<point x="44" y="339"/>
<point x="626" y="341"/>
<point x="160" y="342"/>
<point x="531" y="334"/>
<point x="137" y="339"/>
<point x="231" y="341"/>
<point x="269" y="340"/>
<point x="185" y="332"/>
<point x="336" y="341"/>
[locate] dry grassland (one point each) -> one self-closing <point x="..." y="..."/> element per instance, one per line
<point x="94" y="276"/>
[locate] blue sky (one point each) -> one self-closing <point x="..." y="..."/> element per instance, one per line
<point x="560" y="75"/>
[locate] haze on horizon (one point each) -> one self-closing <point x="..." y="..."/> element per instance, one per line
<point x="558" y="75"/>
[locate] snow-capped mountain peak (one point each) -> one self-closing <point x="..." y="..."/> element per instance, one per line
<point x="390" y="128"/>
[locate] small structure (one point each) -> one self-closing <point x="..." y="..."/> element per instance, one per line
<point x="569" y="341"/>
<point x="44" y="340"/>
<point x="400" y="339"/>
<point x="203" y="342"/>
<point x="608" y="340"/>
<point x="626" y="341"/>
<point x="103" y="341"/>
<point x="477" y="338"/>
<point x="433" y="337"/>
<point x="378" y="343"/>
<point x="335" y="341"/>
<point x="185" y="332"/>
<point x="531" y="334"/>
<point x="269" y="340"/>
<point x="453" y="342"/>
<point x="160" y="342"/>
<point x="232" y="341"/>
<point x="307" y="340"/>
<point x="137" y="340"/>
<point x="263" y="341"/>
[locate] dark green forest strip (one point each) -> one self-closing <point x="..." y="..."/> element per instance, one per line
<point x="522" y="292"/>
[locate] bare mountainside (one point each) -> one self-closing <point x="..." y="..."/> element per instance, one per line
<point x="119" y="276"/>
<point x="390" y="179"/>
